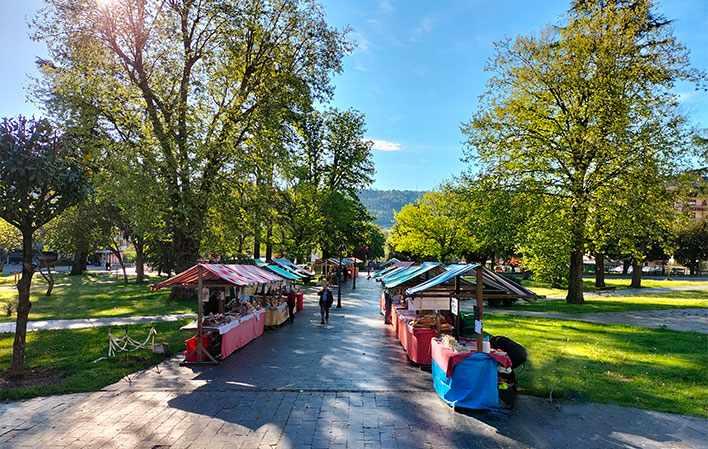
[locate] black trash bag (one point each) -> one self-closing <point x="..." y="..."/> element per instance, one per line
<point x="515" y="351"/>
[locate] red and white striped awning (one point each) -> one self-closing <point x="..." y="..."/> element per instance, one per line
<point x="237" y="275"/>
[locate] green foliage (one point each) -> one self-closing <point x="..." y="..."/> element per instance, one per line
<point x="565" y="118"/>
<point x="433" y="227"/>
<point x="546" y="243"/>
<point x="10" y="237"/>
<point x="40" y="173"/>
<point x="186" y="98"/>
<point x="692" y="245"/>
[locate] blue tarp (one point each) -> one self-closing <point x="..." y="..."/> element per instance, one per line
<point x="451" y="272"/>
<point x="393" y="273"/>
<point x="473" y="384"/>
<point x="411" y="273"/>
<point x="282" y="272"/>
<point x="291" y="267"/>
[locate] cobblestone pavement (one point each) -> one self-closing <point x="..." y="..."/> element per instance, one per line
<point x="347" y="385"/>
<point x="685" y="320"/>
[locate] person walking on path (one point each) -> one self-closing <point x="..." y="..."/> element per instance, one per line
<point x="292" y="298"/>
<point x="326" y="301"/>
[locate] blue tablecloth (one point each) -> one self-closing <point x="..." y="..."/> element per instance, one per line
<point x="473" y="384"/>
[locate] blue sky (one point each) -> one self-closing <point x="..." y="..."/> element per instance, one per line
<point x="416" y="74"/>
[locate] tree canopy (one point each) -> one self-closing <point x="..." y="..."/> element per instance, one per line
<point x="580" y="108"/>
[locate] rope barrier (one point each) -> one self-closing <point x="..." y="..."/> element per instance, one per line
<point x="126" y="343"/>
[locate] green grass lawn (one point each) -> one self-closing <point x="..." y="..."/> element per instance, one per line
<point x="647" y="368"/>
<point x="544" y="289"/>
<point x="622" y="303"/>
<point x="92" y="296"/>
<point x="64" y="359"/>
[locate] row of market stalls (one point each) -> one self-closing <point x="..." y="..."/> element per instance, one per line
<point x="235" y="304"/>
<point x="437" y="315"/>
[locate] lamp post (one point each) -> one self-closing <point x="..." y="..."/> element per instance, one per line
<point x="339" y="278"/>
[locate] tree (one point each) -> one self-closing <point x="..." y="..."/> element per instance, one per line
<point x="692" y="245"/>
<point x="39" y="178"/>
<point x="10" y="239"/>
<point x="577" y="108"/>
<point x="434" y="226"/>
<point x="198" y="72"/>
<point x="130" y="203"/>
<point x="76" y="232"/>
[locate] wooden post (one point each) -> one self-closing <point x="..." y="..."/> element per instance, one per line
<point x="458" y="319"/>
<point x="200" y="317"/>
<point x="479" y="291"/>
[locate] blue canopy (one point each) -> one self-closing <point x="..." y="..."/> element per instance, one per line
<point x="393" y="273"/>
<point x="282" y="272"/>
<point x="451" y="272"/>
<point x="494" y="283"/>
<point x="409" y="274"/>
<point x="286" y="264"/>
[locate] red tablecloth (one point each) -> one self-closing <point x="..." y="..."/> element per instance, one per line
<point x="418" y="344"/>
<point x="394" y="316"/>
<point x="446" y="358"/>
<point x="242" y="334"/>
<point x="300" y="301"/>
<point x="404" y="316"/>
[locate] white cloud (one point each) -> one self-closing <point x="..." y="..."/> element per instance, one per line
<point x="687" y="96"/>
<point x="385" y="145"/>
<point x="386" y="6"/>
<point x="360" y="41"/>
<point x="426" y="25"/>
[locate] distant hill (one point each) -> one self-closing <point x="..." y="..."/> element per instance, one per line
<point x="382" y="204"/>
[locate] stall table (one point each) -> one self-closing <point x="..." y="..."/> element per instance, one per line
<point x="418" y="343"/>
<point x="404" y="316"/>
<point x="235" y="334"/>
<point x="300" y="302"/>
<point x="466" y="379"/>
<point x="275" y="316"/>
<point x="395" y="311"/>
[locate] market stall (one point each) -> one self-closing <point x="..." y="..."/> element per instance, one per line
<point x="288" y="265"/>
<point x="464" y="377"/>
<point x="236" y="299"/>
<point x="396" y="284"/>
<point x="465" y="371"/>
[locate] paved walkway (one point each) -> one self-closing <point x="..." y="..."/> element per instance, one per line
<point x="304" y="386"/>
<point x="93" y="322"/>
<point x="686" y="320"/>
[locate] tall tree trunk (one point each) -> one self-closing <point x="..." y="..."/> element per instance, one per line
<point x="186" y="250"/>
<point x="599" y="270"/>
<point x="78" y="264"/>
<point x="269" y="241"/>
<point x="625" y="266"/>
<point x="50" y="280"/>
<point x="139" y="244"/>
<point x="257" y="238"/>
<point x="23" y="306"/>
<point x="116" y="252"/>
<point x="636" y="274"/>
<point x="575" y="274"/>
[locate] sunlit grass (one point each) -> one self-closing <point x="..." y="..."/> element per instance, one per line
<point x="621" y="303"/>
<point x="67" y="356"/>
<point x="94" y="296"/>
<point x="646" y="368"/>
